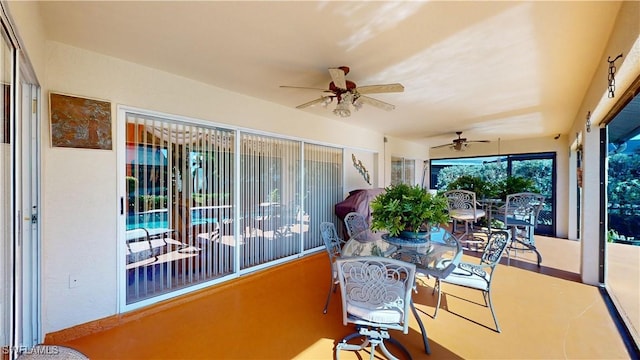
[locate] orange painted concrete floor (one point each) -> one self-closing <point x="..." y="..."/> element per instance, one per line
<point x="544" y="313"/>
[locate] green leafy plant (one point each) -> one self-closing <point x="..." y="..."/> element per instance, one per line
<point x="407" y="208"/>
<point x="482" y="188"/>
<point x="515" y="184"/>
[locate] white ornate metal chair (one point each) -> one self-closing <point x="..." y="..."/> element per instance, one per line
<point x="355" y="223"/>
<point x="463" y="207"/>
<point x="520" y="215"/>
<point x="479" y="276"/>
<point x="333" y="246"/>
<point x="376" y="297"/>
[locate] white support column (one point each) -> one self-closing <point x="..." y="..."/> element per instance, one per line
<point x="590" y="229"/>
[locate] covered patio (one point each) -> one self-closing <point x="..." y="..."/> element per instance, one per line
<point x="544" y="312"/>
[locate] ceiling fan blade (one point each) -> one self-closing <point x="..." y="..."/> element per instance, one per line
<point x="377" y="103"/>
<point x="479" y="141"/>
<point x="441" y="146"/>
<point x="302" y="87"/>
<point x="311" y="103"/>
<point x="382" y="88"/>
<point x="338" y="77"/>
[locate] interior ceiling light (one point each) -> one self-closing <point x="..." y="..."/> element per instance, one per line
<point x="342" y="109"/>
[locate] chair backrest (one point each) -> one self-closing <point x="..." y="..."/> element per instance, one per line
<point x="496" y="245"/>
<point x="461" y="200"/>
<point x="524" y="206"/>
<point x="376" y="291"/>
<point x="355" y="223"/>
<point x="331" y="240"/>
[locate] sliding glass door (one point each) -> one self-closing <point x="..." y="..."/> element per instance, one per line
<point x="7" y="192"/>
<point x="19" y="198"/>
<point x="203" y="203"/>
<point x="622" y="248"/>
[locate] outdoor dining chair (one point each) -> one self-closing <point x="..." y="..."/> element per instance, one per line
<point x="478" y="276"/>
<point x="376" y="298"/>
<point x="463" y="208"/>
<point x="520" y="216"/>
<point x="355" y="223"/>
<point x="333" y="245"/>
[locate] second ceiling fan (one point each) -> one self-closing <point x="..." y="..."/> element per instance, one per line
<point x="460" y="143"/>
<point x="347" y="93"/>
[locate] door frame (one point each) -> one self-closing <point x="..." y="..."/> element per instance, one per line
<point x="24" y="244"/>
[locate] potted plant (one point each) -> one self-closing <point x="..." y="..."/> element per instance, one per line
<point x="408" y="211"/>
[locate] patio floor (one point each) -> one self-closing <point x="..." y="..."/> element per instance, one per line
<point x="544" y="313"/>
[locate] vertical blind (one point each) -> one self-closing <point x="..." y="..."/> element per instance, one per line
<point x="184" y="225"/>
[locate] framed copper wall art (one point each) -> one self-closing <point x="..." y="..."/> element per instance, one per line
<point x="78" y="122"/>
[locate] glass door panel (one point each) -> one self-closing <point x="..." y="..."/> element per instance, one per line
<point x="622" y="261"/>
<point x="541" y="171"/>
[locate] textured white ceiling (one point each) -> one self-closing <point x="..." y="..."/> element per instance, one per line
<point x="491" y="69"/>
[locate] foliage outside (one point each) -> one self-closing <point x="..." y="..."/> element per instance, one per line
<point x="536" y="171"/>
<point x="499" y="189"/>
<point x="407" y="208"/>
<point x="623" y="192"/>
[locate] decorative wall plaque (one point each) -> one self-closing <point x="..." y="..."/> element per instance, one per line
<point x="78" y="122"/>
<point x="361" y="169"/>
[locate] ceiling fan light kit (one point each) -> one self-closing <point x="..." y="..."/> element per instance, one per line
<point x="348" y="94"/>
<point x="342" y="109"/>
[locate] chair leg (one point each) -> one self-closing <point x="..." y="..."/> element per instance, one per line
<point x="373" y="337"/>
<point x="495" y="319"/>
<point x="331" y="289"/>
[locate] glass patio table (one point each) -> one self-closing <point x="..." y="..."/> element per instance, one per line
<point x="438" y="255"/>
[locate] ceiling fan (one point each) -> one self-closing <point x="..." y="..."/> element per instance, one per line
<point x="460" y="143"/>
<point x="346" y="93"/>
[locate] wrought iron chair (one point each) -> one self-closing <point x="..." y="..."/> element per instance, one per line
<point x="479" y="276"/>
<point x="520" y="215"/>
<point x="356" y="224"/>
<point x="463" y="207"/>
<point x="376" y="297"/>
<point x="333" y="246"/>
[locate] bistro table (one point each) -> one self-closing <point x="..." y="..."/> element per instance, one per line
<point x="437" y="255"/>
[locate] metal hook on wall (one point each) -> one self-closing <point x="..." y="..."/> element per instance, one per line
<point x="612" y="78"/>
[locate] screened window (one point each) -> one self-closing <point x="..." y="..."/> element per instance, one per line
<point x="538" y="167"/>
<point x="204" y="203"/>
<point x="403" y="171"/>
